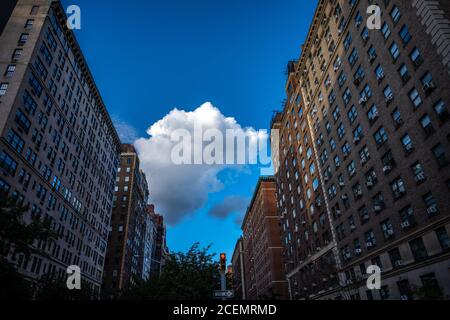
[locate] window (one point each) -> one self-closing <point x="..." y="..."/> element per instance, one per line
<point x="415" y="98"/>
<point x="348" y="41"/>
<point x="372" y="53"/>
<point x="431" y="285"/>
<point x="357" y="191"/>
<point x="3" y="88"/>
<point x="417" y="170"/>
<point x="379" y="72"/>
<point x="357" y="134"/>
<point x="418" y="249"/>
<point x="341" y="131"/>
<point x="404" y="289"/>
<point x="416" y="57"/>
<point x="347" y="96"/>
<point x="405" y="35"/>
<point x="352" y="114"/>
<point x="407" y="143"/>
<point x="388" y="94"/>
<point x="395" y="257"/>
<point x="17" y="54"/>
<point x="385" y="31"/>
<point x="34" y="10"/>
<point x="8" y="163"/>
<point x="404" y="73"/>
<point x="407" y="217"/>
<point x="29" y="103"/>
<point x="378" y="203"/>
<point x="337" y="161"/>
<point x="336" y="113"/>
<point x="443" y="238"/>
<point x="51" y="40"/>
<point x="388" y="162"/>
<point x="29" y="24"/>
<point x="394" y="50"/>
<point x="426" y="124"/>
<point x="346" y="149"/>
<point x="351" y="169"/>
<point x="10" y="70"/>
<point x="23" y="121"/>
<point x="359" y="76"/>
<point x="395" y="14"/>
<point x="372" y="114"/>
<point x="46" y="54"/>
<point x="370" y="239"/>
<point x="439" y="154"/>
<point x="332" y="144"/>
<point x="380" y="136"/>
<point x="397" y="117"/>
<point x="430" y="204"/>
<point x="398" y="188"/>
<point x="23" y="38"/>
<point x="358" y="19"/>
<point x="441" y="110"/>
<point x="15" y="141"/>
<point x="365" y="34"/>
<point x="365" y="94"/>
<point x="342" y="78"/>
<point x="364" y="155"/>
<point x="388" y="229"/>
<point x="35" y="85"/>
<point x="353" y="57"/>
<point x="42" y="71"/>
<point x="428" y="84"/>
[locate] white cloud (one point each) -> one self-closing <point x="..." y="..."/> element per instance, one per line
<point x="178" y="191"/>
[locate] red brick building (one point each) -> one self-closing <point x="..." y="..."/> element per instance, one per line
<point x="263" y="261"/>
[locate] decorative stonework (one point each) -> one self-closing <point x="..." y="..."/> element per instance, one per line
<point x="437" y="26"/>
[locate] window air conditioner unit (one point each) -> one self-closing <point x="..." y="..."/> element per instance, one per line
<point x="432" y="209"/>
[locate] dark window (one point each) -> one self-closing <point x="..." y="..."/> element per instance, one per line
<point x="405" y="35"/>
<point x="418" y="249"/>
<point x="443" y="237"/>
<point x="8" y="163"/>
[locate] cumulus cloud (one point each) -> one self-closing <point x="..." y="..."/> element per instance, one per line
<point x="178" y="191"/>
<point x="229" y="206"/>
<point x="126" y="132"/>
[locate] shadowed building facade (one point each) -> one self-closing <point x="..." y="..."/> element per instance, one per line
<point x="366" y="119"/>
<point x="58" y="147"/>
<point x="131" y="237"/>
<point x="262" y="250"/>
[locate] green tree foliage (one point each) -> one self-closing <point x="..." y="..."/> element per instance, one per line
<point x="17" y="236"/>
<point x="193" y="275"/>
<point x="51" y="289"/>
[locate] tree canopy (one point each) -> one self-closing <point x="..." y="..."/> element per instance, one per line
<point x="193" y="275"/>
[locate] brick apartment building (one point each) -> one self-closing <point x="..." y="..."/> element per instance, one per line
<point x="237" y="263"/>
<point x="262" y="250"/>
<point x="365" y="130"/>
<point x="161" y="251"/>
<point x="58" y="147"/>
<point x="131" y="239"/>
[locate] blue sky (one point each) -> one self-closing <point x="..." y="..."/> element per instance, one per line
<point x="148" y="57"/>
